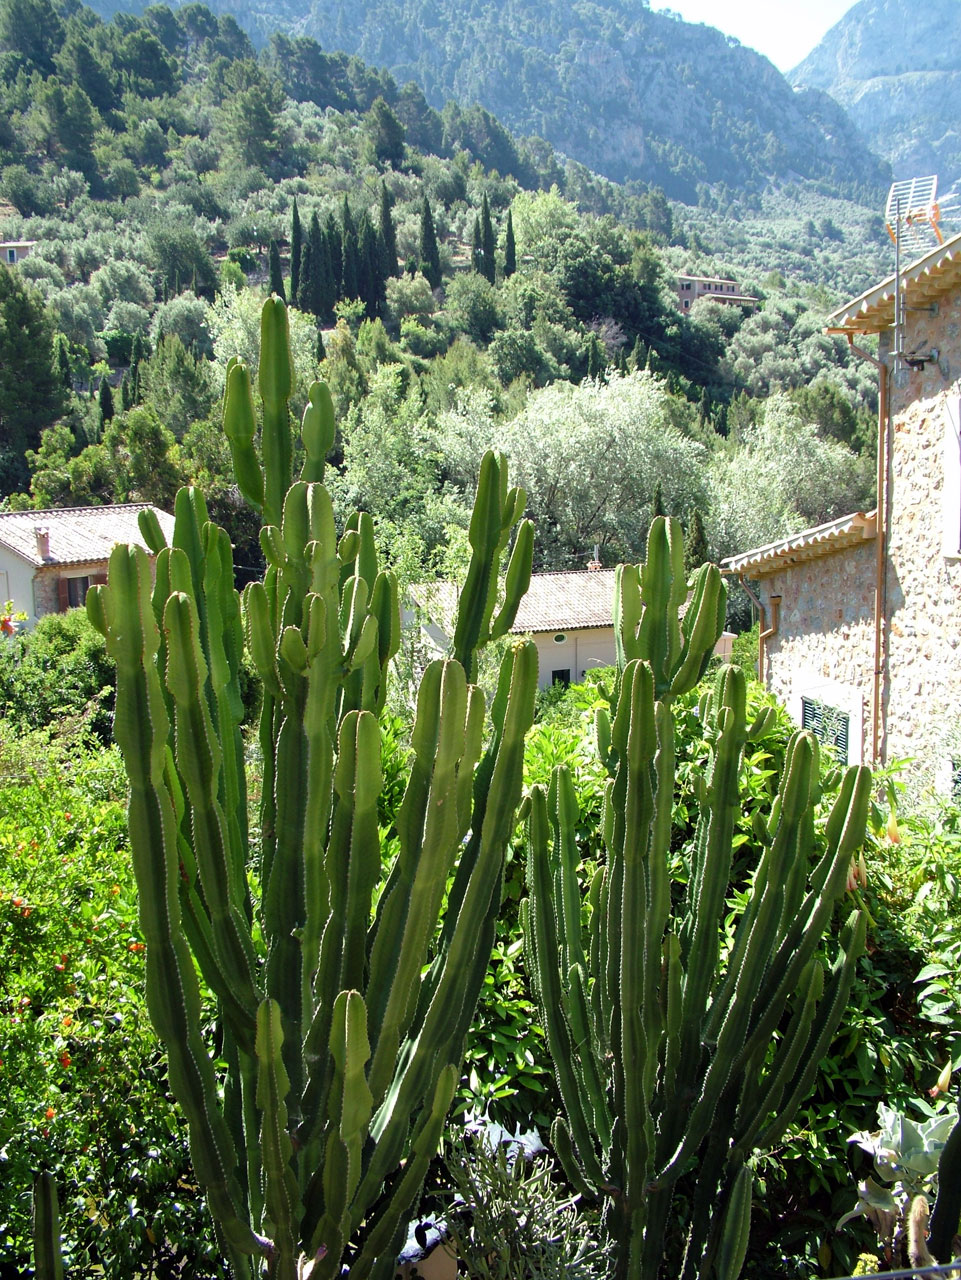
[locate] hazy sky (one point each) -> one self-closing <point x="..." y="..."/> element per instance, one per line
<point x="783" y="30"/>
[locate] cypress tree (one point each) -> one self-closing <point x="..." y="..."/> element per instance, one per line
<point x="305" y="279"/>
<point x="126" y="393"/>
<point x="429" y="253"/>
<point x="488" y="265"/>
<point x="106" y="401"/>
<point x="327" y="284"/>
<point x="276" y="274"/>
<point x="696" y="550"/>
<point x="350" y="254"/>
<point x="321" y="349"/>
<point x="335" y="254"/>
<point x="596" y="363"/>
<point x="370" y="271"/>
<point x="296" y="251"/>
<point x="63" y="364"/>
<point x="350" y="265"/>
<point x="510" y="248"/>
<point x="477" y="249"/>
<point x="367" y="264"/>
<point x="388" y="234"/>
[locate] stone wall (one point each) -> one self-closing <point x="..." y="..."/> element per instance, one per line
<point x="825" y="642"/>
<point x="923" y="678"/>
<point x="824" y="645"/>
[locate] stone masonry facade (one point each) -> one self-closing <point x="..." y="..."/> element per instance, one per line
<point x="824" y="647"/>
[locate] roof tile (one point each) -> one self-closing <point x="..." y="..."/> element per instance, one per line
<point x="77" y="534"/>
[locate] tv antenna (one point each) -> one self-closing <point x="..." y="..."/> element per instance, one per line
<point x="912" y="216"/>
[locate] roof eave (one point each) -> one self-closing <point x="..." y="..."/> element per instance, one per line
<point x="809" y="544"/>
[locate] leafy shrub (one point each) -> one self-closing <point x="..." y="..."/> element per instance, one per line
<point x="82" y="1077"/>
<point x="511" y="1220"/>
<point x="58" y="671"/>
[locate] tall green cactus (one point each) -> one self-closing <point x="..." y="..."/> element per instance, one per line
<point x="678" y="1055"/>
<point x="345" y="991"/>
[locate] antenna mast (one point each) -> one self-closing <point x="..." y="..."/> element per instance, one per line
<point x="912" y="214"/>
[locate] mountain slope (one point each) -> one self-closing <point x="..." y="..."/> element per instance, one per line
<point x="895" y="66"/>
<point x="631" y="93"/>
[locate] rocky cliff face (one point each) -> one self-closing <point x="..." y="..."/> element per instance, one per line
<point x="895" y="66"/>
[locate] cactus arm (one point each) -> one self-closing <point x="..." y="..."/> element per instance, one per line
<point x="637" y="1059"/>
<point x="544" y="947"/>
<point x="663" y="590"/>
<point x="495" y="512"/>
<point x="627" y="613"/>
<point x="713" y="866"/>
<point x="700" y="628"/>
<point x="445" y="1008"/>
<point x="380" y="1238"/>
<point x="198" y="761"/>
<point x="282" y="1210"/>
<point x="736" y="1231"/>
<point x="275" y="378"/>
<point x="808" y="924"/>
<point x="517" y="580"/>
<point x="430" y="829"/>
<point x="240" y="425"/>
<point x="150" y="530"/>
<point x="354" y="838"/>
<point x="173" y="999"/>
<point x="829" y="1013"/>
<point x="47" y="1258"/>
<point x="283" y="899"/>
<point x="317" y="431"/>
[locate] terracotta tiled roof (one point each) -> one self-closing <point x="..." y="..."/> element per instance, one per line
<point x="77" y="535"/>
<point x="923" y="280"/>
<point x="566" y="601"/>
<point x="806" y="545"/>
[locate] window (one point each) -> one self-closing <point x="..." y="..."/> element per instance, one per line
<point x="562" y="676"/>
<point x="828" y="724"/>
<point x="77" y="589"/>
<point x="11" y="255"/>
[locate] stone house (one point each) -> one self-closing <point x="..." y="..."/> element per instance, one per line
<point x="861" y="618"/>
<point x="569" y="615"/>
<point x="690" y="288"/>
<point x="49" y="559"/>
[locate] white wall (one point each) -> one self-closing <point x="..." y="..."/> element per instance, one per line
<point x="16" y="584"/>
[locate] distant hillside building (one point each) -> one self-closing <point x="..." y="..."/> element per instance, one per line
<point x="14" y="251"/>
<point x="690" y="288"/>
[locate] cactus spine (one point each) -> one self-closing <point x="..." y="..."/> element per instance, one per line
<point x="344" y="994"/>
<point x="673" y="1065"/>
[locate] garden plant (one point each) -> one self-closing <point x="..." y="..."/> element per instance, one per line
<point x="685" y="1036"/>
<point x="344" y="988"/>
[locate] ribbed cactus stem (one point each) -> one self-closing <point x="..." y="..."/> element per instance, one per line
<point x="661" y="1044"/>
<point x="342" y="1022"/>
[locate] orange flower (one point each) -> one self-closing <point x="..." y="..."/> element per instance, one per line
<point x="50" y="1113"/>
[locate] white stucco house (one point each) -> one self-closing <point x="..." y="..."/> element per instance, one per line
<point x="49" y="559"/>
<point x="569" y="615"/>
<point x="861" y="617"/>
